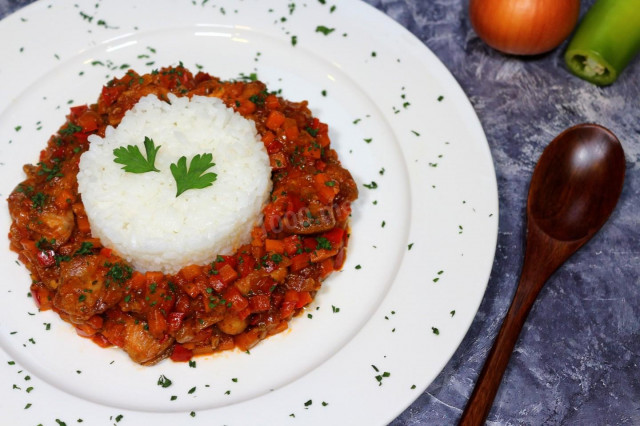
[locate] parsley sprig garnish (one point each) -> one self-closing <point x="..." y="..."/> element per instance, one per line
<point x="134" y="161"/>
<point x="193" y="177"/>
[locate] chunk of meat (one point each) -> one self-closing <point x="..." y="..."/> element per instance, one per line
<point x="305" y="224"/>
<point x="131" y="335"/>
<point x="55" y="226"/>
<point x="83" y="289"/>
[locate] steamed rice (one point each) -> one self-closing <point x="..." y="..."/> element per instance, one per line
<point x="139" y="215"/>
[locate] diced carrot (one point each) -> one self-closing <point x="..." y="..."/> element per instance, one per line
<point x="299" y="262"/>
<point x="226" y="343"/>
<point x="282" y="326"/>
<point x="106" y="252"/>
<point x="247" y="340"/>
<point x="326" y="188"/>
<point x="272" y="102"/>
<point x="323" y="140"/>
<point x="157" y="323"/>
<point x="190" y="272"/>
<point x="274" y="246"/>
<point x="275" y="120"/>
<point x="153" y="277"/>
<point x="291" y="130"/>
<point x="304" y="298"/>
<point x="312" y="152"/>
<point x="246" y="107"/>
<point x="289" y="303"/>
<point x="268" y="138"/>
<point x="326" y="267"/>
<point x="137" y="280"/>
<point x="319" y="255"/>
<point x="227" y="274"/>
<point x="258" y="235"/>
<point x="63" y="199"/>
<point x="88" y="121"/>
<point x="83" y="224"/>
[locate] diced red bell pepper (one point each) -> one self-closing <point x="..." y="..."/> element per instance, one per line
<point x="109" y="94"/>
<point x="227" y="274"/>
<point x="335" y="236"/>
<point x="238" y="301"/>
<point x="259" y="303"/>
<point x="291" y="244"/>
<point x="181" y="354"/>
<point x="174" y="321"/>
<point x="246" y="264"/>
<point x="46" y="258"/>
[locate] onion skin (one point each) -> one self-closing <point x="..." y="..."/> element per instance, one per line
<point x="524" y="27"/>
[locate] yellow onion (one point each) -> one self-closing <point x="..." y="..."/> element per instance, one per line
<point x="524" y="27"/>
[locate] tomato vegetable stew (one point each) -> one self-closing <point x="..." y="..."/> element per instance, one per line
<point x="236" y="300"/>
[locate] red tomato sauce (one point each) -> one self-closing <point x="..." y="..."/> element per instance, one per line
<point x="235" y="301"/>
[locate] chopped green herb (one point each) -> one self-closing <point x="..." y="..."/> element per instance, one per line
<point x="435" y="331"/>
<point x="70" y="129"/>
<point x="38" y="200"/>
<point x="164" y="381"/>
<point x="371" y="185"/>
<point x="324" y="30"/>
<point x="84" y="249"/>
<point x="323" y="243"/>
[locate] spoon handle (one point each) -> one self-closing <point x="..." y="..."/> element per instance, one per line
<point x="489" y="380"/>
<point x="543" y="256"/>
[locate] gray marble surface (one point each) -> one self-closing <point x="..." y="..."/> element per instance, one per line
<point x="577" y="360"/>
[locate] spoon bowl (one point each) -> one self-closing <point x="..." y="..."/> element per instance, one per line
<point x="574" y="189"/>
<point x="578" y="180"/>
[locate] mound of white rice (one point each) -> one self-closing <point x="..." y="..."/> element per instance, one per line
<point x="139" y="215"/>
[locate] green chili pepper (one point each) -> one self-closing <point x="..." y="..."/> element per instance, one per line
<point x="606" y="41"/>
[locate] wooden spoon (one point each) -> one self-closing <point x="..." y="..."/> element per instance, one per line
<point x="575" y="187"/>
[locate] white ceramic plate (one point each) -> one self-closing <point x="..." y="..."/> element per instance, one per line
<point x="423" y="235"/>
